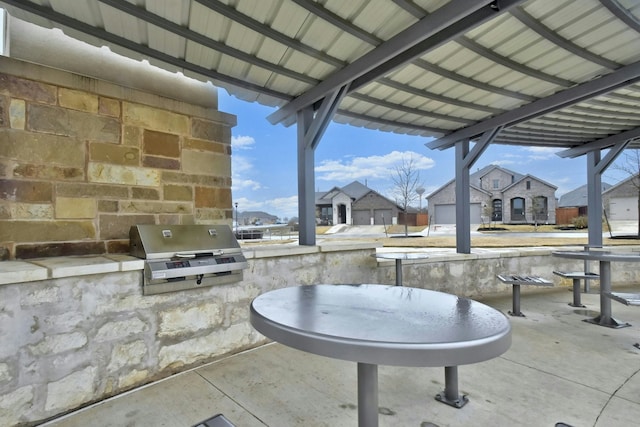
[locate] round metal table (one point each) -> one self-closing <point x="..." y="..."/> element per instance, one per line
<point x="605" y="318"/>
<point x="399" y="257"/>
<point x="383" y="325"/>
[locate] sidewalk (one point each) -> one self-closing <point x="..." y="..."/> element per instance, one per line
<point x="559" y="369"/>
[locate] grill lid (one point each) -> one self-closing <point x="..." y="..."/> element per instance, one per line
<point x="151" y="241"/>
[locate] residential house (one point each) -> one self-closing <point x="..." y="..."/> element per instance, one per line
<point x="355" y="204"/>
<point x="500" y="195"/>
<point x="574" y="204"/>
<point x="621" y="201"/>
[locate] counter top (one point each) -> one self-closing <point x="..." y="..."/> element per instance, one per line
<point x="58" y="267"/>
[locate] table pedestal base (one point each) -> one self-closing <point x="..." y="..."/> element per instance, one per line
<point x="450" y="395"/>
<point x="609" y="322"/>
<point x="367" y="395"/>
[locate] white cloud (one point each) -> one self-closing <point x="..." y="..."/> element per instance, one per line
<point x="242" y="142"/>
<point x="284" y="206"/>
<point x="541" y="153"/>
<point x="245" y="184"/>
<point x="371" y="167"/>
<point x="505" y="162"/>
<point x="240" y="164"/>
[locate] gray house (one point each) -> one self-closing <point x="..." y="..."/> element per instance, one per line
<point x="621" y="200"/>
<point x="355" y="204"/>
<point x="500" y="195"/>
<point x="574" y="204"/>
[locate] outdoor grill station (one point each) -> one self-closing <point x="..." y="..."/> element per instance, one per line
<point x="181" y="257"/>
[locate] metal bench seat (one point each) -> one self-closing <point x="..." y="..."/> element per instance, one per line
<point x="626" y="299"/>
<point x="517" y="280"/>
<point x="576" y="276"/>
<point x="218" y="420"/>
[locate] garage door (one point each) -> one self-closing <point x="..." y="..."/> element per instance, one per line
<point x="623" y="208"/>
<point x="382" y="217"/>
<point x="361" y="217"/>
<point x="446" y="214"/>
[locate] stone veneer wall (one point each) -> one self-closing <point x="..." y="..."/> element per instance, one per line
<point x="69" y="341"/>
<point x="81" y="160"/>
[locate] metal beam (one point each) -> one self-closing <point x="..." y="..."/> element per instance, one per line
<point x="260" y="28"/>
<point x="600" y="143"/>
<point x="452" y="75"/>
<point x="410" y="110"/>
<point x="465" y="158"/>
<point x="411" y="8"/>
<point x="323" y="117"/>
<point x="511" y="64"/>
<point x="311" y="127"/>
<point x="403" y="127"/>
<point x="595" y="168"/>
<point x="419" y="13"/>
<point x="621" y="77"/>
<point x="438" y="21"/>
<point x="348" y="27"/>
<point x="452" y="31"/>
<point x="188" y="34"/>
<point x="436" y="97"/>
<point x="594" y="199"/>
<point x="306" y="181"/>
<point x="557" y="39"/>
<point x="621" y="13"/>
<point x="463" y="197"/>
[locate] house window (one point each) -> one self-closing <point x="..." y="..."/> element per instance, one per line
<point x="517" y="209"/>
<point x="496" y="184"/>
<point x="326" y="215"/>
<point x="528" y="185"/>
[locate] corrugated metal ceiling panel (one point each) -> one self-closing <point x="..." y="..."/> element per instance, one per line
<point x="286" y="48"/>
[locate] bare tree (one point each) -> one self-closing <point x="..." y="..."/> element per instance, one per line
<point x="406" y="182"/>
<point x="537" y="208"/>
<point x="630" y="165"/>
<point x="487" y="212"/>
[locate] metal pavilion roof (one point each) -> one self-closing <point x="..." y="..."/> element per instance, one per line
<point x="556" y="73"/>
<point x="560" y="73"/>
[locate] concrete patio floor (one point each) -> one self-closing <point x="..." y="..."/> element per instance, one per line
<point x="558" y="369"/>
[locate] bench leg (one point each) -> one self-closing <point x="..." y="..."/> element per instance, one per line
<point x="576" y="294"/>
<point x="516" y="302"/>
<point x="450" y="395"/>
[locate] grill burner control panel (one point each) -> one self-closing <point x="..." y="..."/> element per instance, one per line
<point x="166" y="269"/>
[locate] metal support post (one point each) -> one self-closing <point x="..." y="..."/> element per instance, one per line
<point x="516" y="302"/>
<point x="367" y="395"/>
<point x="450" y="395"/>
<point x="398" y="272"/>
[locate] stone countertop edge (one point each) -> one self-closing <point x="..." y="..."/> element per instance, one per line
<point x="58" y="267"/>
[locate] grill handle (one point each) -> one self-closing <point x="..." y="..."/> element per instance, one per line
<point x="203" y="254"/>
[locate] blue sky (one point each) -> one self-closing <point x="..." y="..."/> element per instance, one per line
<point x="265" y="171"/>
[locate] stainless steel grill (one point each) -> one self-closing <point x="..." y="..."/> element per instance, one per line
<point x="179" y="257"/>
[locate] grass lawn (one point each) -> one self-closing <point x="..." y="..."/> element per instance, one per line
<point x="488" y="239"/>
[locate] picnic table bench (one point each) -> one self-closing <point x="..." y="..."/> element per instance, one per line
<point x="576" y="276"/>
<point x="626" y="299"/>
<point x="516" y="281"/>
